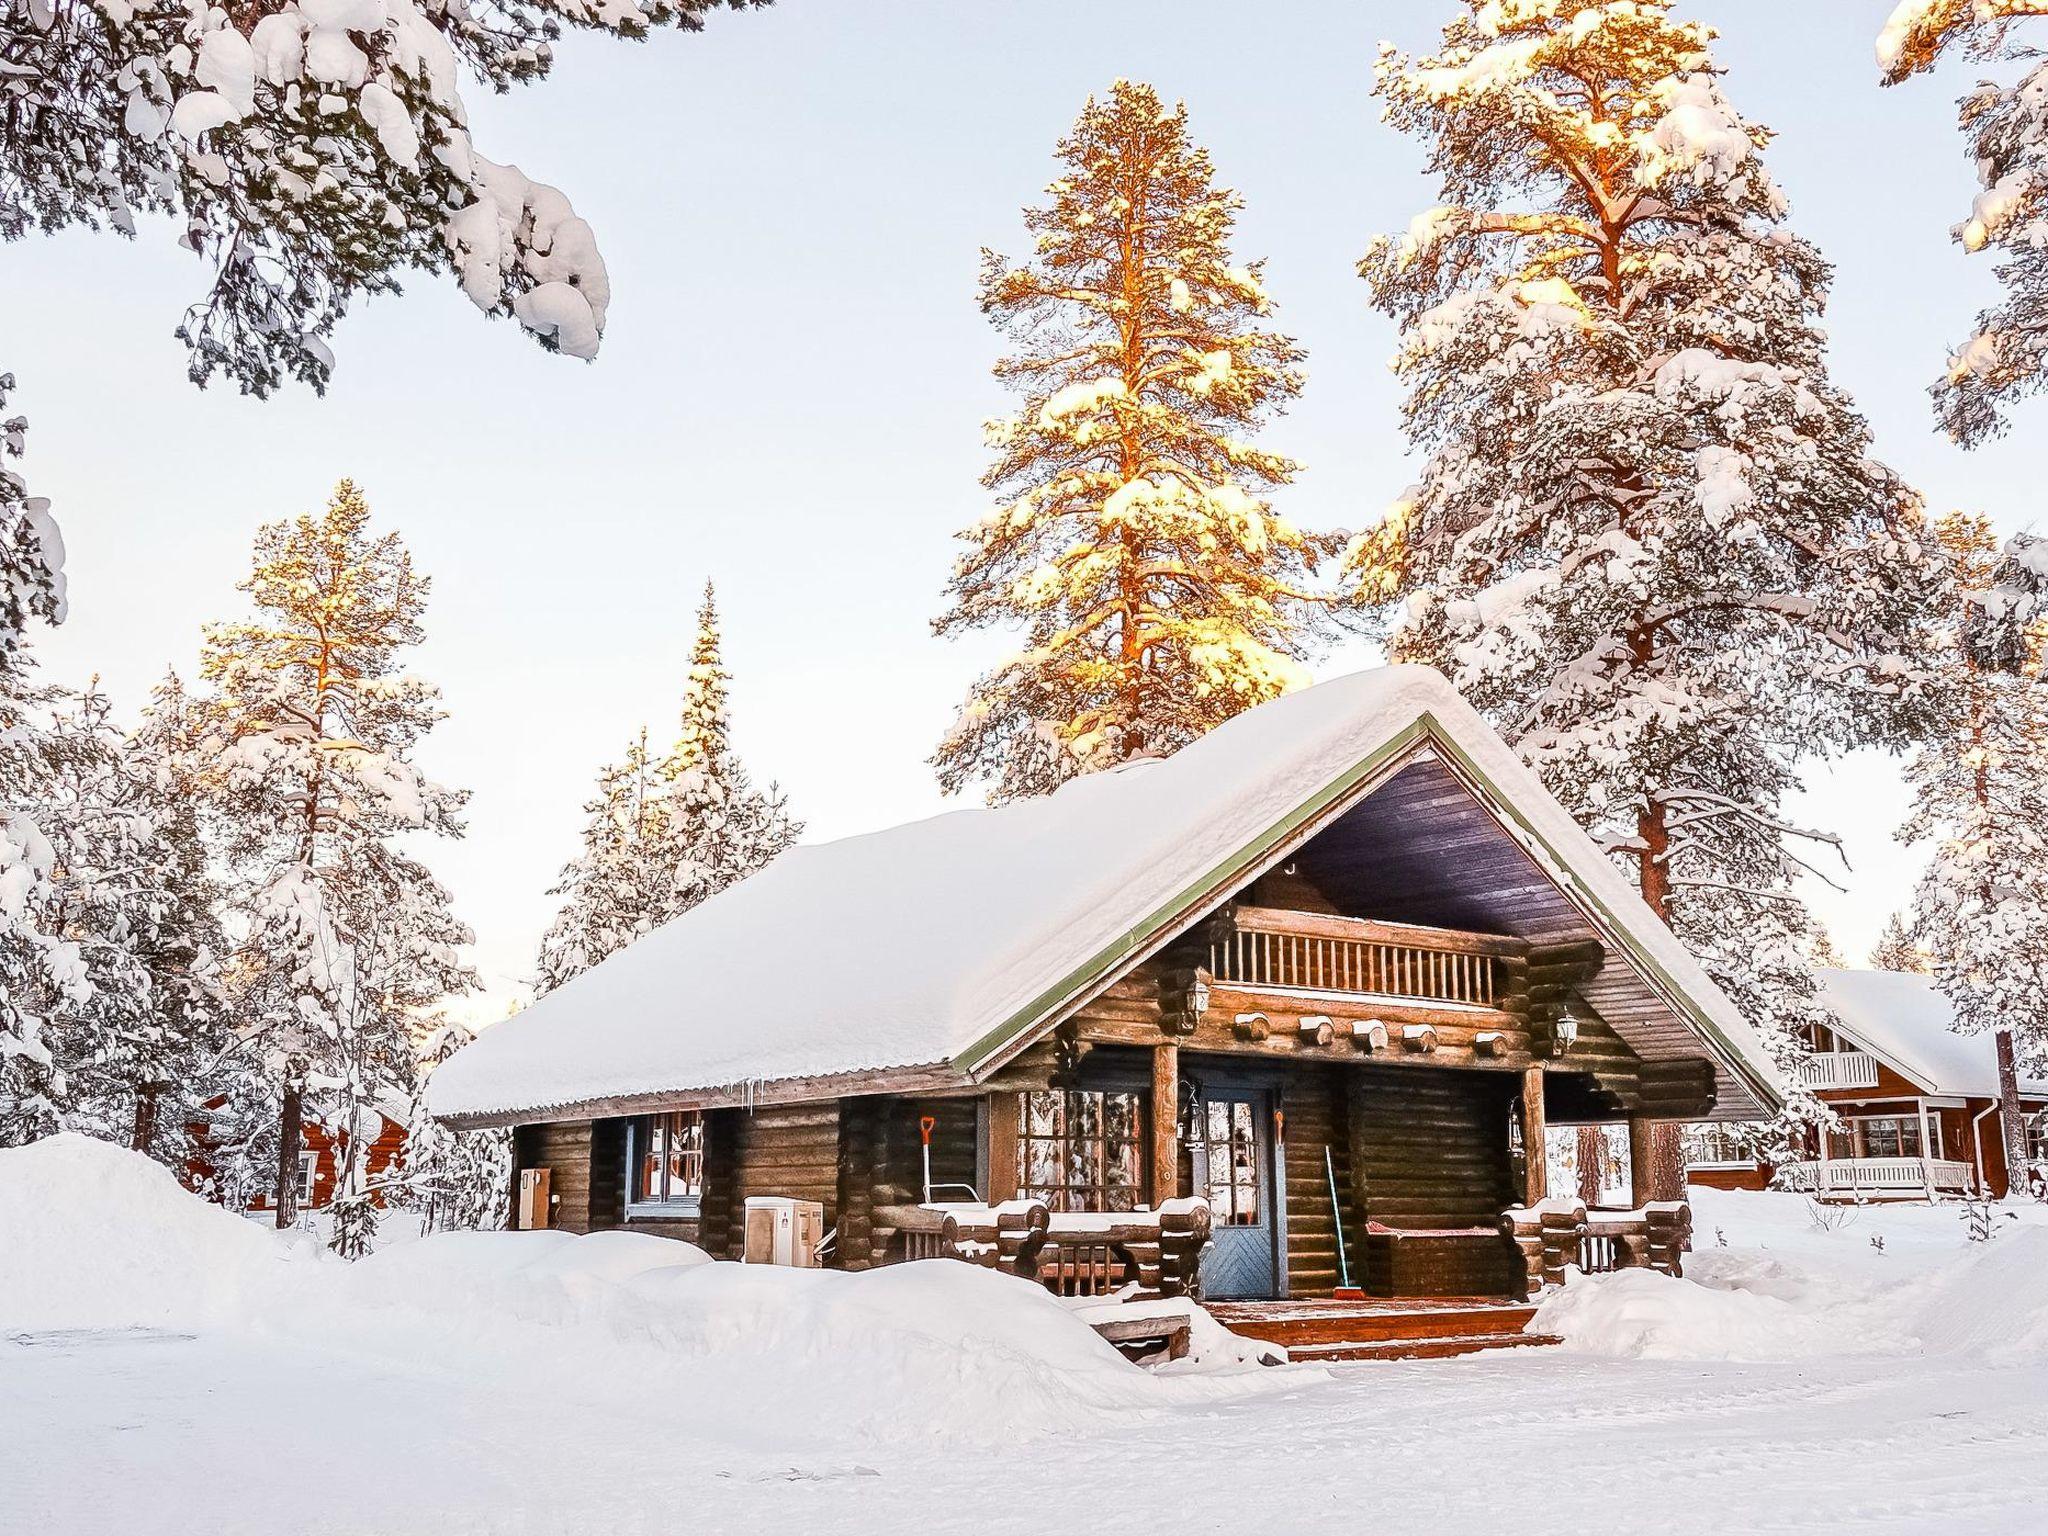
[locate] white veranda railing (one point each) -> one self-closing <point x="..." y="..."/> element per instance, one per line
<point x="1854" y="1177"/>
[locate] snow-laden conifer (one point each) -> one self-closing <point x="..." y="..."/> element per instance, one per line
<point x="1980" y="800"/>
<point x="1649" y="540"/>
<point x="1895" y="949"/>
<point x="346" y="939"/>
<point x="2004" y="119"/>
<point x="308" y="152"/>
<point x="663" y="833"/>
<point x="1132" y="543"/>
<point x="454" y="1180"/>
<point x="39" y="968"/>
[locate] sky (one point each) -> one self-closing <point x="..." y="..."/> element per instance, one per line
<point x="790" y="391"/>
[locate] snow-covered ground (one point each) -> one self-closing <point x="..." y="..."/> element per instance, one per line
<point x="164" y="1368"/>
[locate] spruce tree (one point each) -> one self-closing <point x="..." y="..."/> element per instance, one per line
<point x="346" y="938"/>
<point x="1648" y="542"/>
<point x="37" y="966"/>
<point x="1157" y="591"/>
<point x="1895" y="949"/>
<point x="454" y="1180"/>
<point x="2004" y="119"/>
<point x="1980" y="798"/>
<point x="662" y="835"/>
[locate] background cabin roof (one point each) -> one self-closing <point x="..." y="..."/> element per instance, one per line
<point x="1902" y="1019"/>
<point x="946" y="944"/>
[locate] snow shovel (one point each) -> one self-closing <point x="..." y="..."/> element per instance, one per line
<point x="1345" y="1290"/>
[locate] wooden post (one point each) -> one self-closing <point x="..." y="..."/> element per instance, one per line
<point x="1535" y="1163"/>
<point x="1165" y="1123"/>
<point x="1002" y="1148"/>
<point x="1656" y="1162"/>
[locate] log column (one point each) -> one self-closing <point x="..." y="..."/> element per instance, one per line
<point x="1002" y="1147"/>
<point x="1535" y="1162"/>
<point x="1165" y="1181"/>
<point x="1656" y="1162"/>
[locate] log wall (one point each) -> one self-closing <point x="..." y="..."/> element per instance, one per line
<point x="586" y="1163"/>
<point x="783" y="1149"/>
<point x="1312" y="1101"/>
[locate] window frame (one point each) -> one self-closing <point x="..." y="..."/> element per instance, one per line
<point x="665" y="1204"/>
<point x="1093" y="1197"/>
<point x="308" y="1178"/>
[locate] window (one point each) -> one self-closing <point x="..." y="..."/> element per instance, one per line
<point x="1232" y="1145"/>
<point x="1077" y="1150"/>
<point x="666" y="1158"/>
<point x="309" y="1168"/>
<point x="1711" y="1142"/>
<point x="1888" y="1136"/>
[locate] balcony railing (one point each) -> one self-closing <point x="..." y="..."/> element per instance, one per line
<point x="1840" y="1069"/>
<point x="1880" y="1178"/>
<point x="1307" y="951"/>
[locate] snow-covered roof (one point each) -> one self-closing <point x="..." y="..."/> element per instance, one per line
<point x="1902" y="1019"/>
<point x="949" y="943"/>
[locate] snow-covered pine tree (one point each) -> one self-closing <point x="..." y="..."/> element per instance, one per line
<point x="454" y="1180"/>
<point x="131" y="891"/>
<point x="346" y="939"/>
<point x="2004" y="120"/>
<point x="1980" y="798"/>
<point x="663" y="834"/>
<point x="1648" y="542"/>
<point x="308" y="152"/>
<point x="38" y="968"/>
<point x="1158" y="592"/>
<point x="1895" y="949"/>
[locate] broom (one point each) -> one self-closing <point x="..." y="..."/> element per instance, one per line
<point x="1345" y="1291"/>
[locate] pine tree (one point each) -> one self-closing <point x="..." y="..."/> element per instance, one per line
<point x="1158" y="592"/>
<point x="1895" y="949"/>
<point x="346" y="940"/>
<point x="662" y="835"/>
<point x="457" y="1181"/>
<point x="1980" y="796"/>
<point x="2005" y="123"/>
<point x="38" y="969"/>
<point x="1649" y="542"/>
<point x="308" y="154"/>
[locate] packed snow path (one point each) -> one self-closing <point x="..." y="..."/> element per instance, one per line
<point x="160" y="1433"/>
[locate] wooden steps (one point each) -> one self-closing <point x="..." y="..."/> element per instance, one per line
<point x="1429" y="1329"/>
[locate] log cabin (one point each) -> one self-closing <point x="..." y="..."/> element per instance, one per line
<point x="1289" y="1009"/>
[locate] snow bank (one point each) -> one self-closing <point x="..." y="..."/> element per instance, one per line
<point x="1780" y="1278"/>
<point x="95" y="1236"/>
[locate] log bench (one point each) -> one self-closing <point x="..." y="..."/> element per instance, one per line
<point x="1557" y="1235"/>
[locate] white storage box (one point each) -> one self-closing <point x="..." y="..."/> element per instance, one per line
<point x="783" y="1230"/>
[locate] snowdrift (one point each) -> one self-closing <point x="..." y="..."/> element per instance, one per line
<point x="99" y="1237"/>
<point x="96" y="1236"/>
<point x="1798" y="1284"/>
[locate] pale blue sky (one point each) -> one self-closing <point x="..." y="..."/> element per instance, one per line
<point x="792" y="382"/>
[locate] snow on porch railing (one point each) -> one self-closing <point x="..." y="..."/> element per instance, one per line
<point x="1839" y="1069"/>
<point x="1308" y="951"/>
<point x="1853" y="1177"/>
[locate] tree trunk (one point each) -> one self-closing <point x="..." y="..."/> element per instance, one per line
<point x="1656" y="1161"/>
<point x="1592" y="1147"/>
<point x="288" y="1157"/>
<point x="2010" y="1120"/>
<point x="143" y="1133"/>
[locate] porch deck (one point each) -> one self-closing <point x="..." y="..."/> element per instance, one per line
<point x="1384" y="1328"/>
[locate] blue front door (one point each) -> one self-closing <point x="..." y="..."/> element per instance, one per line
<point x="1233" y="1168"/>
